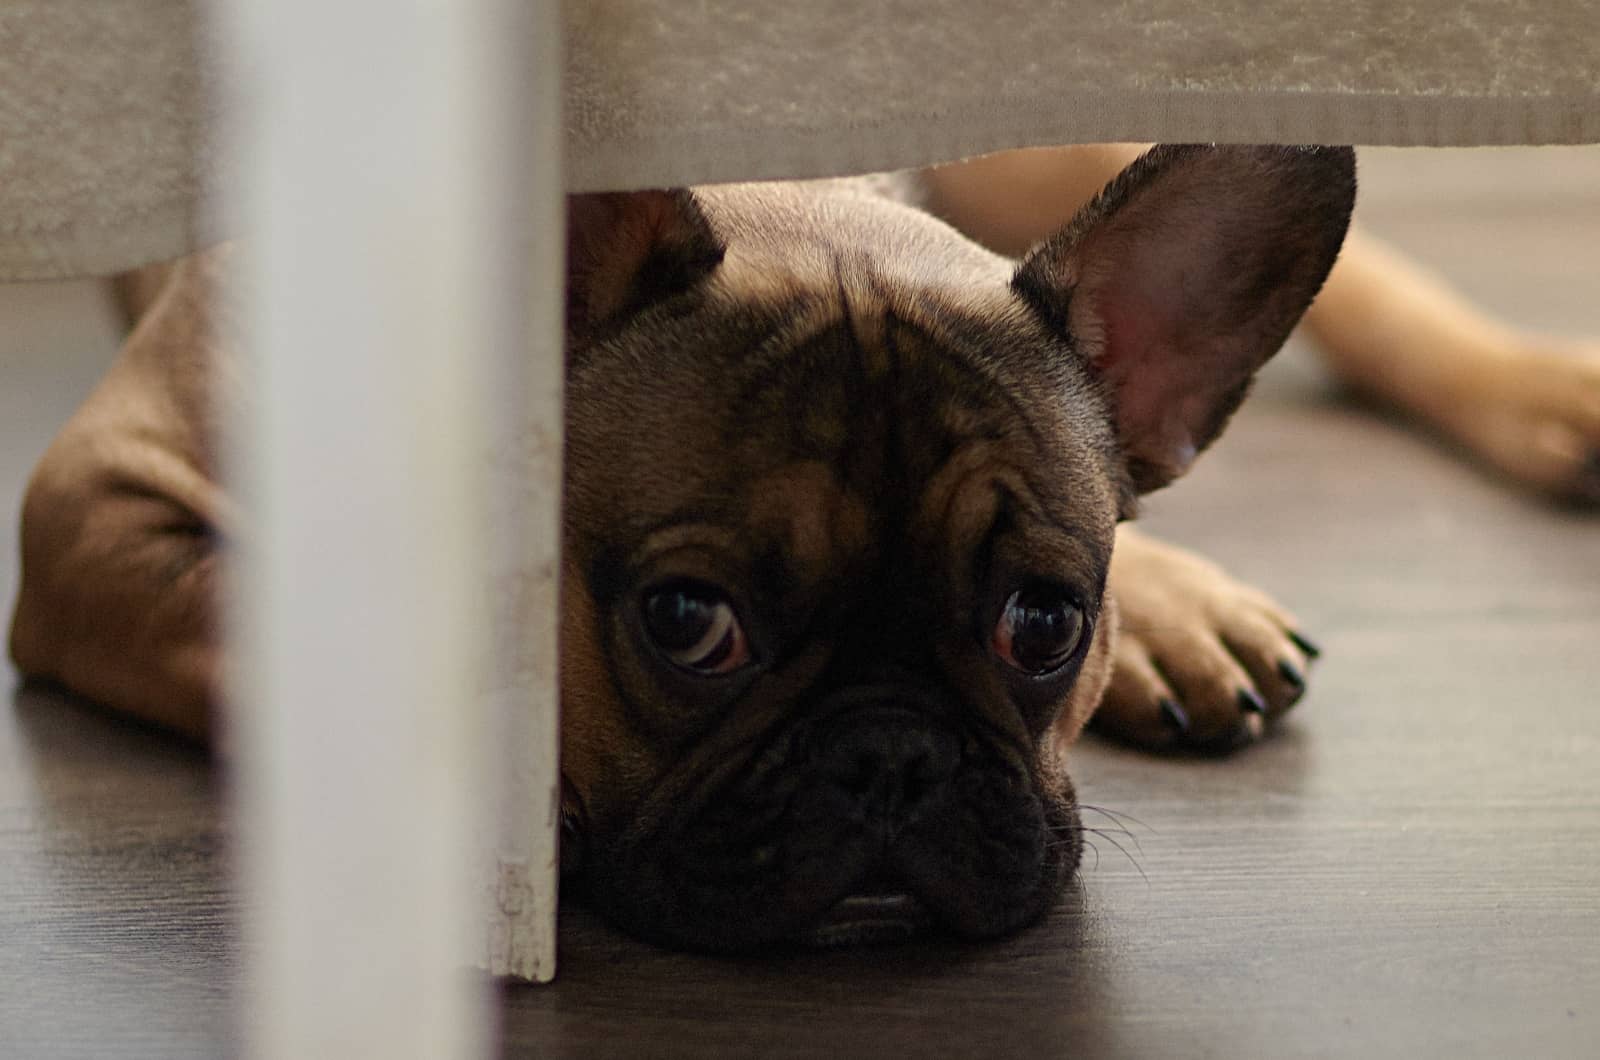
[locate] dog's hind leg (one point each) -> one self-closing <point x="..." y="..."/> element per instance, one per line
<point x="122" y="520"/>
<point x="1011" y="200"/>
<point x="1526" y="406"/>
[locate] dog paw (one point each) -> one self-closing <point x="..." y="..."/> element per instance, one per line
<point x="1202" y="661"/>
<point x="1534" y="414"/>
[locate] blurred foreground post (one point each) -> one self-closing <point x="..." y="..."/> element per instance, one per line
<point x="397" y="412"/>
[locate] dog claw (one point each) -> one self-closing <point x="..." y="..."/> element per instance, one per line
<point x="1175" y="716"/>
<point x="1305" y="644"/>
<point x="1588" y="489"/>
<point x="1250" y="729"/>
<point x="1202" y="662"/>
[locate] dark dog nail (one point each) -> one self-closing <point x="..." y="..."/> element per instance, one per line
<point x="1305" y="644"/>
<point x="1249" y="700"/>
<point x="1589" y="479"/>
<point x="1175" y="716"/>
<point x="1291" y="673"/>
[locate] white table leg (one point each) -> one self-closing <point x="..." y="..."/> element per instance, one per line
<point x="524" y="493"/>
<point x="375" y="155"/>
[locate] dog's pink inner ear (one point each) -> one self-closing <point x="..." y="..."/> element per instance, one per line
<point x="1175" y="361"/>
<point x="626" y="250"/>
<point x="1183" y="277"/>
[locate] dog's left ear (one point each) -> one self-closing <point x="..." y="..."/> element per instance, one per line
<point x="626" y="250"/>
<point x="1183" y="277"/>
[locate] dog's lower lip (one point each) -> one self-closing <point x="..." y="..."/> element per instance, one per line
<point x="862" y="919"/>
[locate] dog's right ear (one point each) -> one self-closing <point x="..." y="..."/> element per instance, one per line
<point x="1182" y="277"/>
<point x="626" y="250"/>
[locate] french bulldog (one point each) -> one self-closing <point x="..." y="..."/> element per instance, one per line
<point x="842" y="494"/>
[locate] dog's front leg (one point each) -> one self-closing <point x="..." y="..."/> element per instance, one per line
<point x="1201" y="660"/>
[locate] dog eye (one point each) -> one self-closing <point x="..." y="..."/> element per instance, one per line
<point x="1038" y="630"/>
<point x="695" y="627"/>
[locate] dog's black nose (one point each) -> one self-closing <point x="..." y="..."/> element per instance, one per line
<point x="888" y="760"/>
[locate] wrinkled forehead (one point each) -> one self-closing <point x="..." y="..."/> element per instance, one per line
<point x="787" y="236"/>
<point x="845" y="422"/>
<point x="883" y="400"/>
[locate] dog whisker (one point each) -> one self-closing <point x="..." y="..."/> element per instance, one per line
<point x="1087" y="830"/>
<point x="1116" y="826"/>
<point x="1131" y="838"/>
<point x="1109" y="838"/>
<point x="1118" y="816"/>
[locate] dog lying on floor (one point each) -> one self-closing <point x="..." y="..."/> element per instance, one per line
<point x="842" y="492"/>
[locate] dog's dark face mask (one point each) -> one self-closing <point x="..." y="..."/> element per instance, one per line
<point x="841" y="495"/>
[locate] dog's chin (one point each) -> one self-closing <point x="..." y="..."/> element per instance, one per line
<point x="829" y="889"/>
<point x="868" y="919"/>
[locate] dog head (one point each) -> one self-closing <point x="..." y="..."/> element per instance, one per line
<point x="841" y="495"/>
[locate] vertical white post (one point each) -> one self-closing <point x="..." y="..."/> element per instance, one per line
<point x="376" y="194"/>
<point x="524" y="492"/>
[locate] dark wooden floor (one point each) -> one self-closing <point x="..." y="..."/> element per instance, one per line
<point x="1411" y="867"/>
